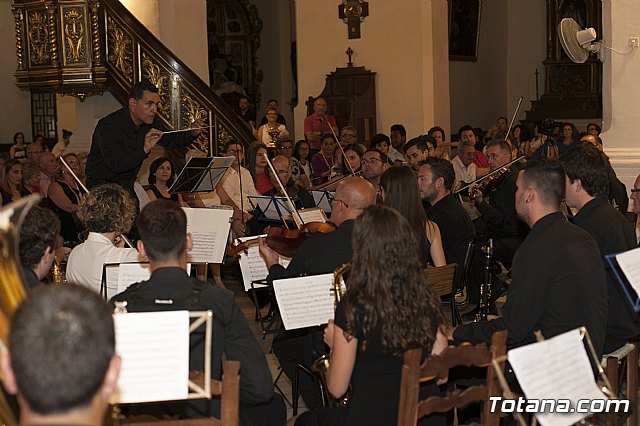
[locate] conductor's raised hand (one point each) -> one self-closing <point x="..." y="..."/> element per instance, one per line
<point x="196" y="125"/>
<point x="151" y="139"/>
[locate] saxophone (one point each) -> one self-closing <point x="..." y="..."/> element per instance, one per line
<point x="320" y="366"/>
<point x="12" y="289"/>
<point x="487" y="285"/>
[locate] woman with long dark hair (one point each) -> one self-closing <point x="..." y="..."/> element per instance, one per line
<point x="387" y="309"/>
<point x="400" y="191"/>
<point x="258" y="166"/>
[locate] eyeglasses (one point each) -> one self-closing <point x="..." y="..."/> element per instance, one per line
<point x="495" y="156"/>
<point x="333" y="201"/>
<point x="233" y="151"/>
<point x="634" y="190"/>
<point x="348" y="136"/>
<point x="370" y="161"/>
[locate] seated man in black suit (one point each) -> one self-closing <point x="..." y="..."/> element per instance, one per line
<point x="164" y="240"/>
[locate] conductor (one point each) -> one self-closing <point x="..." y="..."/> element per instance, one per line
<point x="123" y="139"/>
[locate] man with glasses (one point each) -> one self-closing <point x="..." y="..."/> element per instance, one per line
<point x="321" y="254"/>
<point x="299" y="195"/>
<point x="374" y="164"/>
<point x="499" y="214"/>
<point x="419" y="149"/>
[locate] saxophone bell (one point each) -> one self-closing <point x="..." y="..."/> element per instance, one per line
<point x="321" y="365"/>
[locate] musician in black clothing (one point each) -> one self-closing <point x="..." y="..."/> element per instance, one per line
<point x="587" y="171"/>
<point x="299" y="195"/>
<point x="319" y="254"/>
<point x="123" y="139"/>
<point x="435" y="177"/>
<point x="499" y="214"/>
<point x="559" y="282"/>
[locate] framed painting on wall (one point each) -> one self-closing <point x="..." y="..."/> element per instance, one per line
<point x="464" y="29"/>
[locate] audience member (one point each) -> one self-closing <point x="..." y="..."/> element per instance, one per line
<point x="18" y="150"/>
<point x="318" y="123"/>
<point x="11" y="187"/>
<point x="273" y="103"/>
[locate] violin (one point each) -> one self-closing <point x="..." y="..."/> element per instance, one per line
<point x="283" y="241"/>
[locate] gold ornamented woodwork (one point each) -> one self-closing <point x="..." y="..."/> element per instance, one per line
<point x="74" y="36"/>
<point x="120" y="50"/>
<point x="94" y="6"/>
<point x="161" y="79"/>
<point x="51" y="32"/>
<point x="19" y="16"/>
<point x="38" y="37"/>
<point x="190" y="111"/>
<point x="223" y="136"/>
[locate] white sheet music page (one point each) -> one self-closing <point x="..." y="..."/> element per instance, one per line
<point x="154" y="347"/>
<point x="556" y="368"/>
<point x="305" y="301"/>
<point x="252" y="265"/>
<point x="629" y="262"/>
<point x="314" y="214"/>
<point x="210" y="230"/>
<point x="131" y="273"/>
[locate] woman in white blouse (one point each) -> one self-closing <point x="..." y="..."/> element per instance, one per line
<point x="107" y="211"/>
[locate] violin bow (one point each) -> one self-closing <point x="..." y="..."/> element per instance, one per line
<point x="284" y="191"/>
<point x="513" y="118"/>
<point x="353" y="173"/>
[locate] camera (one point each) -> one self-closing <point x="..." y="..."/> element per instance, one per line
<point x="550" y="127"/>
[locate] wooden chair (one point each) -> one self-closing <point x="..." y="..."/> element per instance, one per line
<point x="437" y="367"/>
<point x="441" y="279"/>
<point x="228" y="389"/>
<point x="611" y="363"/>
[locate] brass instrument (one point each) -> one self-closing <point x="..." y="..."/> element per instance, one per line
<point x="487" y="285"/>
<point x="12" y="288"/>
<point x="321" y="365"/>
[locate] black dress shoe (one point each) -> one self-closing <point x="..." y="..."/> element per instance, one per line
<point x="271" y="315"/>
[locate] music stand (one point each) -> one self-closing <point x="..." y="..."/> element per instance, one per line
<point x="201" y="174"/>
<point x="624" y="281"/>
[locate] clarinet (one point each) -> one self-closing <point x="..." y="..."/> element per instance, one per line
<point x="486" y="287"/>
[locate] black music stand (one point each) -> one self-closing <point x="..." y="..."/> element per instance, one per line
<point x="201" y="174"/>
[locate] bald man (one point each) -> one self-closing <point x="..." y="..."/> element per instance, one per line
<point x="319" y="254"/>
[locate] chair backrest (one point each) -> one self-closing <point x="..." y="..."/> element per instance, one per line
<point x="441" y="278"/>
<point x="228" y="389"/>
<point x="437" y="367"/>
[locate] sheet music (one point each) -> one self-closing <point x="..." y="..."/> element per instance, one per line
<point x="629" y="262"/>
<point x="252" y="265"/>
<point x="305" y="301"/>
<point x="314" y="214"/>
<point x="557" y="368"/>
<point x="131" y="273"/>
<point x="135" y="272"/>
<point x="154" y="347"/>
<point x="210" y="230"/>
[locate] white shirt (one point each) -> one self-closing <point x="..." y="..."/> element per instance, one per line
<point x="86" y="260"/>
<point x="394" y="155"/>
<point x="465" y="174"/>
<point x="231" y="184"/>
